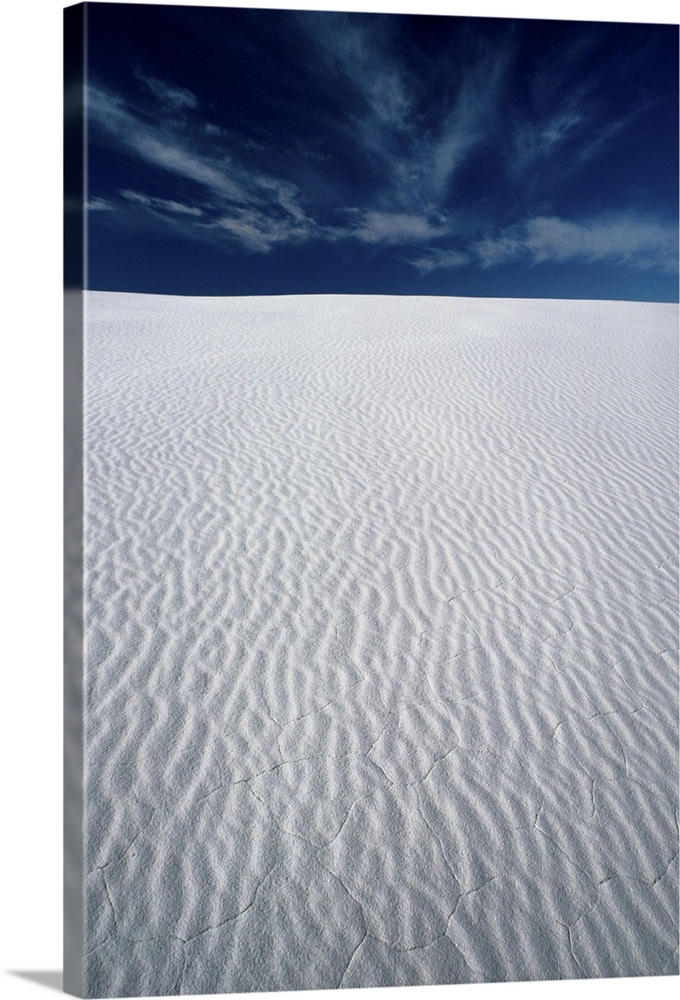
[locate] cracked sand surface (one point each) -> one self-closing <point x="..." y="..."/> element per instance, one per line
<point x="381" y="642"/>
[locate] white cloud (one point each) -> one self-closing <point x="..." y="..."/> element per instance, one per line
<point x="396" y="228"/>
<point x="260" y="232"/>
<point x="283" y="194"/>
<point x="222" y="176"/>
<point x="358" y="51"/>
<point x="567" y="140"/>
<point x="252" y="208"/>
<point x="158" y="146"/>
<point x="468" y="122"/>
<point x="439" y="260"/>
<point x="624" y="240"/>
<point x="417" y="155"/>
<point x="165" y="152"/>
<point x="499" y="249"/>
<point x="175" y="97"/>
<point x="417" y="151"/>
<point x="99" y="205"/>
<point x="162" y="203"/>
<point x="534" y="141"/>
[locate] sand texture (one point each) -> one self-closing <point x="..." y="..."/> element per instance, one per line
<point x="380" y="642"/>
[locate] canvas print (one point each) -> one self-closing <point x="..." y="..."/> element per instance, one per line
<point x="380" y="501"/>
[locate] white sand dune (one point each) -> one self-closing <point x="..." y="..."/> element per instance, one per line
<point x="381" y="641"/>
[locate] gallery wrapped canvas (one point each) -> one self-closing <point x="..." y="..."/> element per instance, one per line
<point x="372" y="500"/>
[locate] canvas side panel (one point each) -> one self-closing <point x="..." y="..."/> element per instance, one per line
<point x="74" y="37"/>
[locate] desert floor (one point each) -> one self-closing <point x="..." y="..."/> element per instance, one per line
<point x="381" y="641"/>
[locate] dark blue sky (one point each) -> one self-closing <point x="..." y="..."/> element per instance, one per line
<point x="272" y="151"/>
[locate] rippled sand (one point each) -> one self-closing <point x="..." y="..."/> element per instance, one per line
<point x="381" y="641"/>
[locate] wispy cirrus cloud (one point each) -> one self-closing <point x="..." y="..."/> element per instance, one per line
<point x="98" y="205"/>
<point x="165" y="204"/>
<point x="173" y="97"/>
<point x="534" y="141"/>
<point x="548" y="151"/>
<point x="159" y="145"/>
<point x="625" y="241"/>
<point x="253" y="208"/>
<point x="418" y="148"/>
<point x="569" y="115"/>
<point x="260" y="212"/>
<point x="360" y="53"/>
<point x="397" y="228"/>
<point x="469" y="122"/>
<point x="622" y="240"/>
<point x="439" y="259"/>
<point x="260" y="232"/>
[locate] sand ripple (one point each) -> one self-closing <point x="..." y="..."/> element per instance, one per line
<point x="381" y="642"/>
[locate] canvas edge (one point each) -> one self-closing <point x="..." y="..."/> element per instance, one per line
<point x="73" y="909"/>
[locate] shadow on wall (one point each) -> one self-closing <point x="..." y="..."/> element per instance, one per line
<point x="51" y="979"/>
